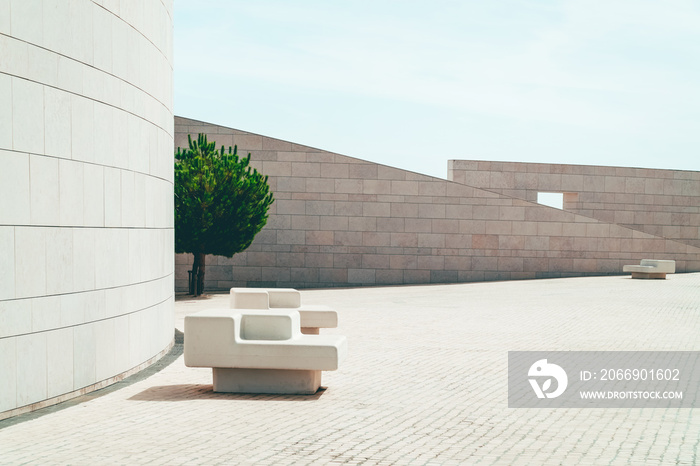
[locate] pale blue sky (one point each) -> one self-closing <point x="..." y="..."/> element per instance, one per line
<point x="412" y="84"/>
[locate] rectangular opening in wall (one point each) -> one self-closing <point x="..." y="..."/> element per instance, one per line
<point x="555" y="200"/>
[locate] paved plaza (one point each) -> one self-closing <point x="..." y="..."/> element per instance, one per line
<point x="425" y="382"/>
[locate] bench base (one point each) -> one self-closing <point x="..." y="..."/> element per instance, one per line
<point x="658" y="275"/>
<point x="273" y="381"/>
<point x="310" y="330"/>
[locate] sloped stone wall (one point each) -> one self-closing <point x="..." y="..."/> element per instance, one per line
<point x="342" y="221"/>
<point x="660" y="202"/>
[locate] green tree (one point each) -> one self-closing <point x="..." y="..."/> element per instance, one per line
<point x="221" y="203"/>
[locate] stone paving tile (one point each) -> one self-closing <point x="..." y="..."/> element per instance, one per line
<point x="425" y="382"/>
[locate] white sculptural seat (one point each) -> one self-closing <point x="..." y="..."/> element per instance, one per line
<point x="260" y="351"/>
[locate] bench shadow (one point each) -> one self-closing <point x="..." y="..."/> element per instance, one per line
<point x="186" y="392"/>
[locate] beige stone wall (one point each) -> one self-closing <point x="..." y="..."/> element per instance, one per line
<point x="659" y="202"/>
<point x="86" y="195"/>
<point x="342" y="221"/>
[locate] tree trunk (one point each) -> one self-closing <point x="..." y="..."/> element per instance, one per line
<point x="199" y="258"/>
<point x="192" y="276"/>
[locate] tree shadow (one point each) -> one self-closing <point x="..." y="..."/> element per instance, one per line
<point x="187" y="392"/>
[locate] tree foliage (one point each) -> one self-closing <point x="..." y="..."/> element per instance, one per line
<point x="221" y="203"/>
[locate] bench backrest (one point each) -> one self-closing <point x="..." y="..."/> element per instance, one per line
<point x="284" y="298"/>
<point x="249" y="298"/>
<point x="662" y="266"/>
<point x="260" y="298"/>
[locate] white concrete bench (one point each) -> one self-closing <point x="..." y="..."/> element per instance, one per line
<point x="253" y="351"/>
<point x="651" y="268"/>
<point x="313" y="317"/>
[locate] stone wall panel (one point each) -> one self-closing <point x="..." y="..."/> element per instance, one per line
<point x="340" y="221"/>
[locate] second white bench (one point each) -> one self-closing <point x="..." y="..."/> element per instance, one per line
<point x="651" y="268"/>
<point x="313" y="317"/>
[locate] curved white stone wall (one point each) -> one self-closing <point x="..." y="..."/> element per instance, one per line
<point x="86" y="215"/>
